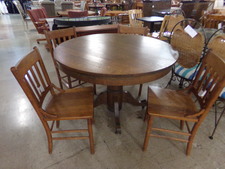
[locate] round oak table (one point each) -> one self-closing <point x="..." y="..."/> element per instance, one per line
<point x="116" y="60"/>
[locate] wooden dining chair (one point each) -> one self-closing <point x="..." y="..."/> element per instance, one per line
<point x="124" y="29"/>
<point x="54" y="38"/>
<point x="189" y="105"/>
<point x="37" y="16"/>
<point x="191" y="51"/>
<point x="72" y="104"/>
<point x="133" y="15"/>
<point x="144" y="31"/>
<point x="216" y="44"/>
<point x="168" y="23"/>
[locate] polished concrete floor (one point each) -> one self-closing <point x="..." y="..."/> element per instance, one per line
<point x="23" y="143"/>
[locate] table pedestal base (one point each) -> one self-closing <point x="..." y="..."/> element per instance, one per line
<point x="114" y="97"/>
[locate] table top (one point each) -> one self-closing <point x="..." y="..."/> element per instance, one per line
<point x="115" y="59"/>
<point x="83" y="21"/>
<point x="151" y="19"/>
<point x="65" y="13"/>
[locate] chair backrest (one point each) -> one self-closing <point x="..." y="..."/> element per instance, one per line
<point x="169" y="22"/>
<point x="213" y="20"/>
<point x="77" y="14"/>
<point x="65" y="5"/>
<point x="32" y="76"/>
<point x="209" y="82"/>
<point x="56" y="37"/>
<point x="217" y="42"/>
<point x="49" y="7"/>
<point x="133" y="15"/>
<point x="35" y="16"/>
<point x="103" y="11"/>
<point x="190" y="48"/>
<point x="123" y="29"/>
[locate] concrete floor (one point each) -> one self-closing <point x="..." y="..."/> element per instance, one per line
<point x="23" y="143"/>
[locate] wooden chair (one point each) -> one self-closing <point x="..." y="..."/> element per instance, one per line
<point x="123" y="29"/>
<point x="54" y="38"/>
<point x="188" y="105"/>
<point x="191" y="50"/>
<point x="168" y="23"/>
<point x="216" y="44"/>
<point x="37" y="16"/>
<point x="133" y="15"/>
<point x="77" y="14"/>
<point x="213" y="20"/>
<point x="72" y="104"/>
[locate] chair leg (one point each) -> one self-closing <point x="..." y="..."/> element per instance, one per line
<point x="91" y="139"/>
<point x="191" y="138"/>
<point x="140" y="90"/>
<point x="171" y="78"/>
<point x="94" y="86"/>
<point x="57" y="124"/>
<point x="49" y="136"/>
<point x="59" y="78"/>
<point x="216" y="121"/>
<point x="182" y="124"/>
<point x="148" y="133"/>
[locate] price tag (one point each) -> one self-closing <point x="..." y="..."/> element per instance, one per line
<point x="190" y="31"/>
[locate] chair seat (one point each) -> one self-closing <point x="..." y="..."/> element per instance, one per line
<point x="171" y="104"/>
<point x="187" y="73"/>
<point x="222" y="94"/>
<point x="70" y="105"/>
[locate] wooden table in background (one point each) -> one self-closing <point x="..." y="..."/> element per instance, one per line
<point x="116" y="60"/>
<point x="65" y="13"/>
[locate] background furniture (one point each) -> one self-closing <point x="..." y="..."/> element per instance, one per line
<point x="36" y="16"/>
<point x="22" y="13"/>
<point x="191" y="51"/>
<point x="73" y="104"/>
<point x="49" y="7"/>
<point x="54" y="38"/>
<point x="77" y="14"/>
<point x="84" y="21"/>
<point x="216" y="44"/>
<point x="150" y="21"/>
<point x="191" y="105"/>
<point x="124" y="29"/>
<point x="113" y="50"/>
<point x="65" y="5"/>
<point x="134" y="14"/>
